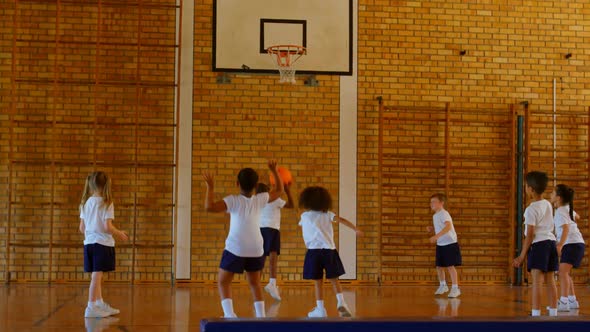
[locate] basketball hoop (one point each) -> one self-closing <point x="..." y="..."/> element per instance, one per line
<point x="286" y="56"/>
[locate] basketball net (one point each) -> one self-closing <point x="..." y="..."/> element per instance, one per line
<point x="285" y="57"/>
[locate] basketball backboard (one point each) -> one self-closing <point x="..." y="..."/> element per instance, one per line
<point x="244" y="29"/>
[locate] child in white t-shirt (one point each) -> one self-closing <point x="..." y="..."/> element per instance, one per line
<point x="244" y="244"/>
<point x="448" y="252"/>
<point x="570" y="244"/>
<point x="318" y="234"/>
<point x="270" y="224"/>
<point x="539" y="242"/>
<point x="96" y="223"/>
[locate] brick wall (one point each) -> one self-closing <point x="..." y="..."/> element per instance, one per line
<point x="93" y="89"/>
<point x="409" y="53"/>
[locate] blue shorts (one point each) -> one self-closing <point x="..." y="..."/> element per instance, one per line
<point x="237" y="264"/>
<point x="449" y="255"/>
<point x="572" y="254"/>
<point x="272" y="240"/>
<point x="318" y="260"/>
<point x="99" y="258"/>
<point x="543" y="256"/>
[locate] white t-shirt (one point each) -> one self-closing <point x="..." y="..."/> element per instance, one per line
<point x="540" y="215"/>
<point x="439" y="219"/>
<point x="562" y="217"/>
<point x="318" y="232"/>
<point x="271" y="214"/>
<point x="244" y="238"/>
<point x="95" y="217"/>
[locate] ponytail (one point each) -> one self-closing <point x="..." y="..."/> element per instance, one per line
<point x="86" y="193"/>
<point x="571" y="192"/>
<point x="101" y="183"/>
<point x="567" y="197"/>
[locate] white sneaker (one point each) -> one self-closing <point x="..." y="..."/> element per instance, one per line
<point x="317" y="313"/>
<point x="106" y="307"/>
<point x="273" y="290"/>
<point x="563" y="306"/>
<point x="441" y="290"/>
<point x="95" y="312"/>
<point x="230" y="316"/>
<point x="574" y="304"/>
<point x="455" y="292"/>
<point x="343" y="310"/>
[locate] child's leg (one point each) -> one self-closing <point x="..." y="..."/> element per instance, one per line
<point x="571" y="292"/>
<point x="551" y="290"/>
<point x="342" y="307"/>
<point x="224" y="279"/>
<point x="441" y="275"/>
<point x="336" y="286"/>
<point x="453" y="274"/>
<point x="256" y="288"/>
<point x="319" y="289"/>
<point x="254" y="283"/>
<point x="95" y="291"/>
<point x="537" y="276"/>
<point x="274" y="258"/>
<point x="564" y="279"/>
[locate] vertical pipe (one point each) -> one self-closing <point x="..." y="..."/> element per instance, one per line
<point x="54" y="129"/>
<point x="588" y="162"/>
<point x="512" y="209"/>
<point x="176" y="139"/>
<point x="137" y="104"/>
<point x="380" y="186"/>
<point x="554" y="132"/>
<point x="519" y="194"/>
<point x="11" y="143"/>
<point x="447" y="149"/>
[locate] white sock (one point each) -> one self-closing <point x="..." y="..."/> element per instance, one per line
<point x="273" y="281"/>
<point x="340" y="298"/>
<point x="99" y="301"/>
<point x="92" y="304"/>
<point x="259" y="307"/>
<point x="455" y="287"/>
<point x="228" y="307"/>
<point x="563" y="299"/>
<point x="552" y="311"/>
<point x="320" y="304"/>
<point x="572" y="298"/>
<point x="536" y="312"/>
<point x="443" y="283"/>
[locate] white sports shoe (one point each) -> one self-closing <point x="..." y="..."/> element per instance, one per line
<point x="95" y="312"/>
<point x="343" y="310"/>
<point x="574" y="304"/>
<point x="106" y="307"/>
<point x="441" y="290"/>
<point x="455" y="292"/>
<point x="273" y="290"/>
<point x="317" y="313"/>
<point x="563" y="306"/>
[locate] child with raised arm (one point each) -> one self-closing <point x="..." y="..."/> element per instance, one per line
<point x="96" y="223"/>
<point x="270" y="224"/>
<point x="448" y="252"/>
<point x="318" y="234"/>
<point x="244" y="244"/>
<point x="539" y="242"/>
<point x="570" y="244"/>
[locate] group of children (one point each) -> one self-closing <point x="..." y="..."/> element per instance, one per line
<point x="254" y="234"/>
<point x="552" y="243"/>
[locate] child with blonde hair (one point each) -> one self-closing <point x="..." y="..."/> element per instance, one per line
<point x="97" y="213"/>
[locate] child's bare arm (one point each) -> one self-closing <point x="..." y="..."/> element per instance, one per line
<point x="210" y="204"/>
<point x="290" y="203"/>
<point x="277" y="191"/>
<point x="528" y="240"/>
<point x="348" y="224"/>
<point x="115" y="231"/>
<point x="448" y="227"/>
<point x="82" y="226"/>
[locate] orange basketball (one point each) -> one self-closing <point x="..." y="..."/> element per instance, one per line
<point x="285" y="175"/>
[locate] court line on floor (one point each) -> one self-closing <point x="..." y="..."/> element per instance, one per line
<point x="52" y="312"/>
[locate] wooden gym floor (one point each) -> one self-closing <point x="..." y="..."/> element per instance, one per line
<point x="153" y="307"/>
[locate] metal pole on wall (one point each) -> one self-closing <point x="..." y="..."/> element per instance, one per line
<point x="519" y="192"/>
